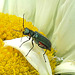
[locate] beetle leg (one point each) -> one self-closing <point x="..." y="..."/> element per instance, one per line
<point x="44" y="55"/>
<point x="31" y="48"/>
<point x="25" y="41"/>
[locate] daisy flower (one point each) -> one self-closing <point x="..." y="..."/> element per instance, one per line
<point x="54" y="20"/>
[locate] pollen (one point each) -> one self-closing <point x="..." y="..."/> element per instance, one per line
<point x="12" y="62"/>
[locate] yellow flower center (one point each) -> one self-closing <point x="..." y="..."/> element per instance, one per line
<point x="12" y="62"/>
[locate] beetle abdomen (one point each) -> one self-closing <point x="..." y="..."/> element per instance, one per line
<point x="42" y="41"/>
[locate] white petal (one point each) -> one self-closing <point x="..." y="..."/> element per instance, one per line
<point x="1" y="5"/>
<point x="19" y="7"/>
<point x="66" y="68"/>
<point x="64" y="38"/>
<point x="35" y="57"/>
<point x="45" y="15"/>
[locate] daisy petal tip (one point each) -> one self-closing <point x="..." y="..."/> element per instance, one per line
<point x="66" y="67"/>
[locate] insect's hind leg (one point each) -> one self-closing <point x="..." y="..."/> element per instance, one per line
<point x="31" y="48"/>
<point x="44" y="55"/>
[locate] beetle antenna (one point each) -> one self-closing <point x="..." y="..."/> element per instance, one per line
<point x="23" y="20"/>
<point x="17" y="30"/>
<point x="23" y="25"/>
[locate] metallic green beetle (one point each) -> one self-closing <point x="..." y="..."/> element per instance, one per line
<point x="39" y="39"/>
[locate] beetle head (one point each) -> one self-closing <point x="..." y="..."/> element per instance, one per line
<point x="26" y="31"/>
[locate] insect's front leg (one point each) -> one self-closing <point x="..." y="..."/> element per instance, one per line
<point x="25" y="41"/>
<point x="31" y="48"/>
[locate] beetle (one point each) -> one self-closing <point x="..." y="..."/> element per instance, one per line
<point x="38" y="38"/>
